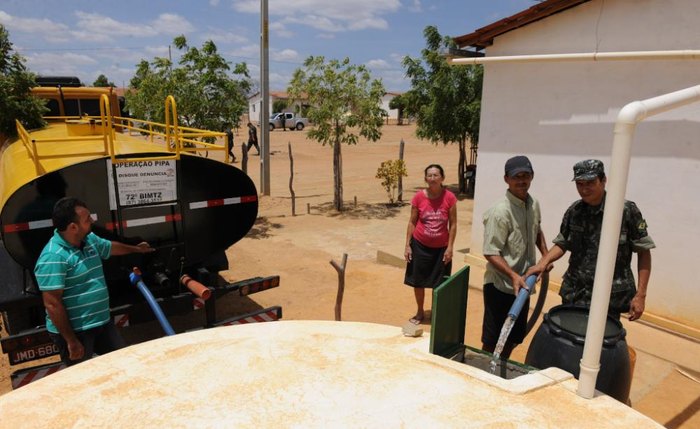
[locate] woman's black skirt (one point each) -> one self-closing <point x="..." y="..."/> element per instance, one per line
<point x="426" y="268"/>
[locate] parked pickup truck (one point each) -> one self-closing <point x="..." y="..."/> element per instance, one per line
<point x="287" y="120"/>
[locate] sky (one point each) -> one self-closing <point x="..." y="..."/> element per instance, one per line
<point x="88" y="38"/>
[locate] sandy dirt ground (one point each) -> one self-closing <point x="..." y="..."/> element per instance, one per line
<point x="300" y="247"/>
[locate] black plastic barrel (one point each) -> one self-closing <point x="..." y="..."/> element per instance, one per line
<point x="559" y="343"/>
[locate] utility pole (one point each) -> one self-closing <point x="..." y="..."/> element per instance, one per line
<point x="264" y="100"/>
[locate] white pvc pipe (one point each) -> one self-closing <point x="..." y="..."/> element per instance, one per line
<point x="627" y="120"/>
<point x="590" y="56"/>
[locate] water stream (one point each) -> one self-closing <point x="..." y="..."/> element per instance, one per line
<point x="505" y="331"/>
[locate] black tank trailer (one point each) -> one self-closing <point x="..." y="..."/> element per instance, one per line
<point x="156" y="189"/>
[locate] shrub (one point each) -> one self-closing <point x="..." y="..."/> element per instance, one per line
<point x="390" y="172"/>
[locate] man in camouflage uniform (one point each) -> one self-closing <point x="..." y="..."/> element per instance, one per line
<point x="580" y="234"/>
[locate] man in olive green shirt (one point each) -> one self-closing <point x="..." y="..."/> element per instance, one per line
<point x="511" y="234"/>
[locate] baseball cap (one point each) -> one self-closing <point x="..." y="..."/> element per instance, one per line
<point x="518" y="164"/>
<point x="588" y="169"/>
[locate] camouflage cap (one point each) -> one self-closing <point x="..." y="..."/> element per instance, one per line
<point x="588" y="169"/>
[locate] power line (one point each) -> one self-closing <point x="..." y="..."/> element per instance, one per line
<point x="114" y="48"/>
<point x="119" y="48"/>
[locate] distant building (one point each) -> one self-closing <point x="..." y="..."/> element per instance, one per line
<point x="393" y="114"/>
<point x="254" y="105"/>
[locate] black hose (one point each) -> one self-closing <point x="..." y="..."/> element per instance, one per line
<point x="540" y="303"/>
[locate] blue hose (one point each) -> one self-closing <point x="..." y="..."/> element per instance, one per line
<point x="136" y="280"/>
<point x="523" y="294"/>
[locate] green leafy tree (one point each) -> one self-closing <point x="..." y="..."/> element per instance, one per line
<point x="149" y="87"/>
<point x="344" y="104"/>
<point x="210" y="94"/>
<point x="390" y="172"/>
<point x="16" y="100"/>
<point x="102" y="81"/>
<point x="279" y="106"/>
<point x="398" y="103"/>
<point x="445" y="99"/>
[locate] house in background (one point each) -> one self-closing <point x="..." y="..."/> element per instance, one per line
<point x="255" y="99"/>
<point x="560" y="112"/>
<point x="392" y="114"/>
<point x="254" y="105"/>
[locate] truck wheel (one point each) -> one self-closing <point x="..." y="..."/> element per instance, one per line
<point x="300" y="126"/>
<point x="272" y="127"/>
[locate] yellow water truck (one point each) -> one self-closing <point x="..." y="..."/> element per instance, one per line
<point x="142" y="181"/>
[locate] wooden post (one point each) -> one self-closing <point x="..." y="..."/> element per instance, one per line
<point x="355" y="201"/>
<point x="291" y="178"/>
<point x="244" y="158"/>
<point x="308" y="208"/>
<point x="341" y="285"/>
<point x="400" y="197"/>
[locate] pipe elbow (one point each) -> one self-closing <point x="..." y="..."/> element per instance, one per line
<point x="632" y="113"/>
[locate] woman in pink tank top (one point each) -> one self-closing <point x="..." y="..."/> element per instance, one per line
<point x="430" y="237"/>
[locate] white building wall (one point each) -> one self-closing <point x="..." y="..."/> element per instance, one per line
<point x="560" y="113"/>
<point x="254" y="107"/>
<point x="254" y="111"/>
<point x="393" y="113"/>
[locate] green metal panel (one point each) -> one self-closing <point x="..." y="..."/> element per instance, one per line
<point x="450" y="314"/>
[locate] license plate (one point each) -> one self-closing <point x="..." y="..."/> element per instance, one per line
<point x="33" y="353"/>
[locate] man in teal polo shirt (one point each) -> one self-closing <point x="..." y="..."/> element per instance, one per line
<point x="70" y="276"/>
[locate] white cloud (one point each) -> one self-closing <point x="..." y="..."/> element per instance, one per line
<point x="46" y="59"/>
<point x="214" y="3"/>
<point x="31" y="25"/>
<point x="172" y="24"/>
<point x="325" y="15"/>
<point x="248" y="52"/>
<point x="102" y="27"/>
<point x="87" y="36"/>
<point x="124" y="56"/>
<point x="224" y="37"/>
<point x="59" y="64"/>
<point x="95" y="27"/>
<point x="281" y="30"/>
<point x="254" y="70"/>
<point x="314" y="21"/>
<point x="368" y="22"/>
<point x="156" y="51"/>
<point x="279" y="81"/>
<point x="286" y="55"/>
<point x="246" y="6"/>
<point x="378" y="64"/>
<point x="416" y="6"/>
